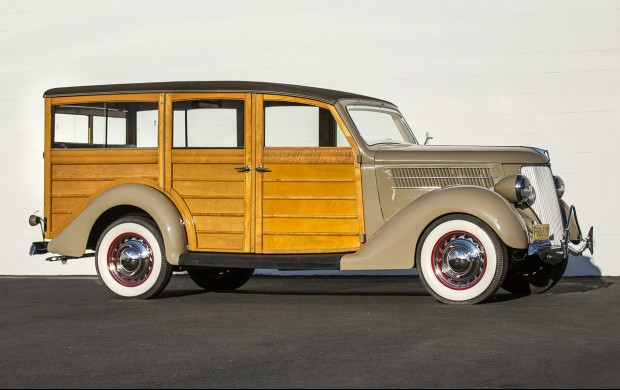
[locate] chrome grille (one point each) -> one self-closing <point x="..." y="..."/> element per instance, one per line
<point x="415" y="178"/>
<point x="546" y="206"/>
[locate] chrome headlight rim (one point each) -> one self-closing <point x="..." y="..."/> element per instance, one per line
<point x="523" y="189"/>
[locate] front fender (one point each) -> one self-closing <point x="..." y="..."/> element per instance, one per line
<point x="393" y="245"/>
<point x="73" y="239"/>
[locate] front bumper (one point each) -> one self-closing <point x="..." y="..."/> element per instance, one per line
<point x="564" y="247"/>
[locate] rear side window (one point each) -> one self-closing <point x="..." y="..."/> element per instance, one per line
<point x="105" y="125"/>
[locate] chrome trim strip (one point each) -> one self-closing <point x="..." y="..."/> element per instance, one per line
<point x="439" y="177"/>
<point x="416" y="188"/>
<point x="443" y="177"/>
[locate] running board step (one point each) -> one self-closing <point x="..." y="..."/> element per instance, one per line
<point x="288" y="262"/>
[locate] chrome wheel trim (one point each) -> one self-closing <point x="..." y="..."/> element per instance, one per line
<point x="102" y="259"/>
<point x="459" y="260"/>
<point x="130" y="259"/>
<point x="426" y="263"/>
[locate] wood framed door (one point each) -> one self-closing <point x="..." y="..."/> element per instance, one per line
<point x="208" y="169"/>
<point x="307" y="180"/>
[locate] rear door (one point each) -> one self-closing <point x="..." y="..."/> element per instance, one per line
<point x="207" y="168"/>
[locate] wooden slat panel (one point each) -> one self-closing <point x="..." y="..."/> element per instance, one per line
<point x="309" y="189"/>
<point x="310" y="225"/>
<point x="209" y="241"/>
<point x="67" y="205"/>
<point x="220" y="224"/>
<point x="82" y="188"/>
<point x="305" y="207"/>
<point x="210" y="189"/>
<point x="308" y="155"/>
<point x="77" y="174"/>
<point x="216" y="206"/>
<point x="207" y="172"/>
<point x="104" y="172"/>
<point x="214" y="192"/>
<point x="127" y="97"/>
<point x="104" y="156"/>
<point x="180" y="96"/>
<point x="204" y="156"/>
<point x="317" y="244"/>
<point x="310" y="172"/>
<point x="94" y="160"/>
<point x="58" y="220"/>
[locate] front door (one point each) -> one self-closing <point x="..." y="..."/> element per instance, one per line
<point x="308" y="192"/>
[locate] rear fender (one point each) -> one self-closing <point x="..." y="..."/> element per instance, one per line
<point x="73" y="239"/>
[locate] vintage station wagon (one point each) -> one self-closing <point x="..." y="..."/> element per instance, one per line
<point x="221" y="178"/>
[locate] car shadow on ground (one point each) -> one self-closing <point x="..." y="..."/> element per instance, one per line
<point x="581" y="284"/>
<point x="394" y="286"/>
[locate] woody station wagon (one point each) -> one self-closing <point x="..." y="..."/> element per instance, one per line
<point x="221" y="178"/>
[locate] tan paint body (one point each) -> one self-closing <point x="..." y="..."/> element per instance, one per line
<point x="393" y="246"/>
<point x="315" y="200"/>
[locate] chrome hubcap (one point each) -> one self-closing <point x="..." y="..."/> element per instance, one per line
<point x="459" y="260"/>
<point x="130" y="260"/>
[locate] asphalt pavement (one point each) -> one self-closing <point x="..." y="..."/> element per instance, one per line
<point x="306" y="332"/>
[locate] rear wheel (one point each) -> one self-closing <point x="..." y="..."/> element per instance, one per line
<point x="532" y="275"/>
<point x="130" y="259"/>
<point x="220" y="279"/>
<point x="461" y="260"/>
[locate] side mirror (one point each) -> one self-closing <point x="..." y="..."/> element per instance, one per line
<point x="428" y="138"/>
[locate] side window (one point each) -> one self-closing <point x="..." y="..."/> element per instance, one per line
<point x="208" y="124"/>
<point x="301" y="125"/>
<point x="105" y="125"/>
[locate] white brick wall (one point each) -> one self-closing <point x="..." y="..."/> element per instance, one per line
<point x="527" y="72"/>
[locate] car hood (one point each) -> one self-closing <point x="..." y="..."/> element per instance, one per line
<point x="413" y="154"/>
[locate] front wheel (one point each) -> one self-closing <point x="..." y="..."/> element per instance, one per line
<point x="461" y="260"/>
<point x="131" y="260"/>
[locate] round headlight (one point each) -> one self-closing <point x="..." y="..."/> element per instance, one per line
<point x="559" y="186"/>
<point x="523" y="188"/>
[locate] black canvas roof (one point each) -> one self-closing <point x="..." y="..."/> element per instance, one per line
<point x="326" y="95"/>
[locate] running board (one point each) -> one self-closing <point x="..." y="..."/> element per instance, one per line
<point x="288" y="262"/>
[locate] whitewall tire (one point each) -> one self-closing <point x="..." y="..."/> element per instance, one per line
<point x="461" y="260"/>
<point x="131" y="260"/>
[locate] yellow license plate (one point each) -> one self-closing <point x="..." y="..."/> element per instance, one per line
<point x="540" y="232"/>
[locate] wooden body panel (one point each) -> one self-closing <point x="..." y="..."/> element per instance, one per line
<point x="309" y="201"/>
<point x="215" y="195"/>
<point x="78" y="175"/>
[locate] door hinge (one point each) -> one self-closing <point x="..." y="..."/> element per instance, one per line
<point x="359" y="159"/>
<point x="363" y="238"/>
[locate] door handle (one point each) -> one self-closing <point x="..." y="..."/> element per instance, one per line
<point x="262" y="169"/>
<point x="243" y="169"/>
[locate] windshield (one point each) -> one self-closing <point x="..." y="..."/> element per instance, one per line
<point x="381" y="125"/>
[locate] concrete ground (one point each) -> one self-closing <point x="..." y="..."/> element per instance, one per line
<point x="306" y="332"/>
